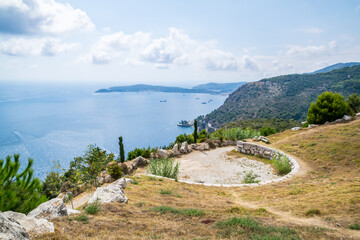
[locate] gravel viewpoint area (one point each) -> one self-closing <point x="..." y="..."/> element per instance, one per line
<point x="216" y="167"/>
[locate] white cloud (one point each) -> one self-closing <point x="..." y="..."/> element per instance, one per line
<point x="315" y="30"/>
<point x="41" y="16"/>
<point x="35" y="47"/>
<point x="311" y="51"/>
<point x="177" y="48"/>
<point x="111" y="46"/>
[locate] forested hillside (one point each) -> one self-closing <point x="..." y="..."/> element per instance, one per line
<point x="287" y="97"/>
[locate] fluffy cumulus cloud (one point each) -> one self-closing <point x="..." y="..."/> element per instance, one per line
<point x="312" y="50"/>
<point x="177" y="48"/>
<point x="35" y="47"/>
<point x="41" y="16"/>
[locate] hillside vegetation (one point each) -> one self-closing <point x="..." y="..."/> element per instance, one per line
<point x="286" y="97"/>
<point x="321" y="201"/>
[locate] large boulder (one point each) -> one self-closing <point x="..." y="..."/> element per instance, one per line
<point x="175" y="150"/>
<point x="162" y="153"/>
<point x="10" y="229"/>
<point x="210" y="143"/>
<point x="296" y="128"/>
<point x="51" y="209"/>
<point x="185" y="148"/>
<point x="111" y="193"/>
<point x="140" y="162"/>
<point x="347" y="118"/>
<point x="32" y="225"/>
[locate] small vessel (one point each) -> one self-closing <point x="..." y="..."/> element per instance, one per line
<point x="204" y="103"/>
<point x="184" y="123"/>
<point x="197" y="98"/>
<point x="163" y="100"/>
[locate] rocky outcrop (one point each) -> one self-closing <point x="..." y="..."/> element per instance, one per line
<point x="185" y="148"/>
<point x="10" y="229"/>
<point x="162" y="153"/>
<point x="296" y="128"/>
<point x="175" y="150"/>
<point x="32" y="225"/>
<point x="140" y="162"/>
<point x="211" y="143"/>
<point x="51" y="209"/>
<point x="111" y="193"/>
<point x="200" y="146"/>
<point x="72" y="211"/>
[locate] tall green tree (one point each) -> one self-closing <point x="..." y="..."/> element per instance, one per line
<point x="19" y="192"/>
<point x="195" y="131"/>
<point x="121" y="148"/>
<point x="329" y="106"/>
<point x="354" y="102"/>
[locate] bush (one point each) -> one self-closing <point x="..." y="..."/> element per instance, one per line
<point x="328" y="107"/>
<point x="250" y="177"/>
<point x="355" y="226"/>
<point x="114" y="170"/>
<point x="354" y="103"/>
<point x="202" y="136"/>
<point x="312" y="212"/>
<point x="86" y="168"/>
<point x="143" y="152"/>
<point x="281" y="163"/>
<point x="82" y="218"/>
<point x="19" y="192"/>
<point x="164" y="167"/>
<point x="53" y="181"/>
<point x="234" y="134"/>
<point x="92" y="208"/>
<point x="266" y="131"/>
<point x="184" y="138"/>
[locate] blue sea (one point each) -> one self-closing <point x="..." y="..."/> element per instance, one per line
<point x="49" y="123"/>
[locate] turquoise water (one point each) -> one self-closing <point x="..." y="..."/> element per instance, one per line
<point x="58" y="123"/>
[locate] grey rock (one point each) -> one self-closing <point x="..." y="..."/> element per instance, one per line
<point x="312" y="125"/>
<point x="264" y="139"/>
<point x="347" y="118"/>
<point x="107" y="178"/>
<point x="111" y="193"/>
<point x="128" y="180"/>
<point x="175" y="150"/>
<point x="72" y="211"/>
<point x="185" y="148"/>
<point x="210" y="143"/>
<point x="31" y="225"/>
<point x="51" y="209"/>
<point x="296" y="128"/>
<point x="10" y="229"/>
<point x="140" y="162"/>
<point x="358" y="114"/>
<point x="99" y="180"/>
<point x="162" y="153"/>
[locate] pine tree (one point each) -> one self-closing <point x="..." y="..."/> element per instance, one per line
<point x="19" y="192"/>
<point x="195" y="131"/>
<point x="122" y="153"/>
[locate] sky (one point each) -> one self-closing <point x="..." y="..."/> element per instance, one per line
<point x="173" y="43"/>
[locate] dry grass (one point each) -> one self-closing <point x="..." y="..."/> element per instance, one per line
<point x="328" y="183"/>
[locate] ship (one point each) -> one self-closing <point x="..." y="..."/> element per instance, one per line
<point x="184" y="123"/>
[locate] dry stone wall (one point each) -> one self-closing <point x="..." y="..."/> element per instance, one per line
<point x="254" y="149"/>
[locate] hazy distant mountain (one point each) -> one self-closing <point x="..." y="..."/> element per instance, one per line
<point x="286" y="97"/>
<point x="211" y="88"/>
<point x="220" y="87"/>
<point x="336" y="66"/>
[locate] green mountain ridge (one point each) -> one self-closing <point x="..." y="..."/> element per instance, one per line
<point x="286" y="97"/>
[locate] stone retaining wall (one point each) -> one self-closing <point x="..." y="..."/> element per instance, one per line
<point x="254" y="149"/>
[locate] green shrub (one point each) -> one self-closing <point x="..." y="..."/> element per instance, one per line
<point x="92" y="208"/>
<point x="164" y="167"/>
<point x="234" y="134"/>
<point x="114" y="170"/>
<point x="53" y="181"/>
<point x="19" y="192"/>
<point x="82" y="218"/>
<point x="266" y="131"/>
<point x="312" y="212"/>
<point x="184" y="138"/>
<point x="143" y="152"/>
<point x="281" y="163"/>
<point x="305" y="125"/>
<point x="354" y="103"/>
<point x="250" y="177"/>
<point x="202" y="136"/>
<point x="165" y="192"/>
<point x="355" y="226"/>
<point x="86" y="168"/>
<point x="328" y="107"/>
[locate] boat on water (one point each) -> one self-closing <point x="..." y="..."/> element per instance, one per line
<point x="204" y="103"/>
<point x="184" y="123"/>
<point x="163" y="100"/>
